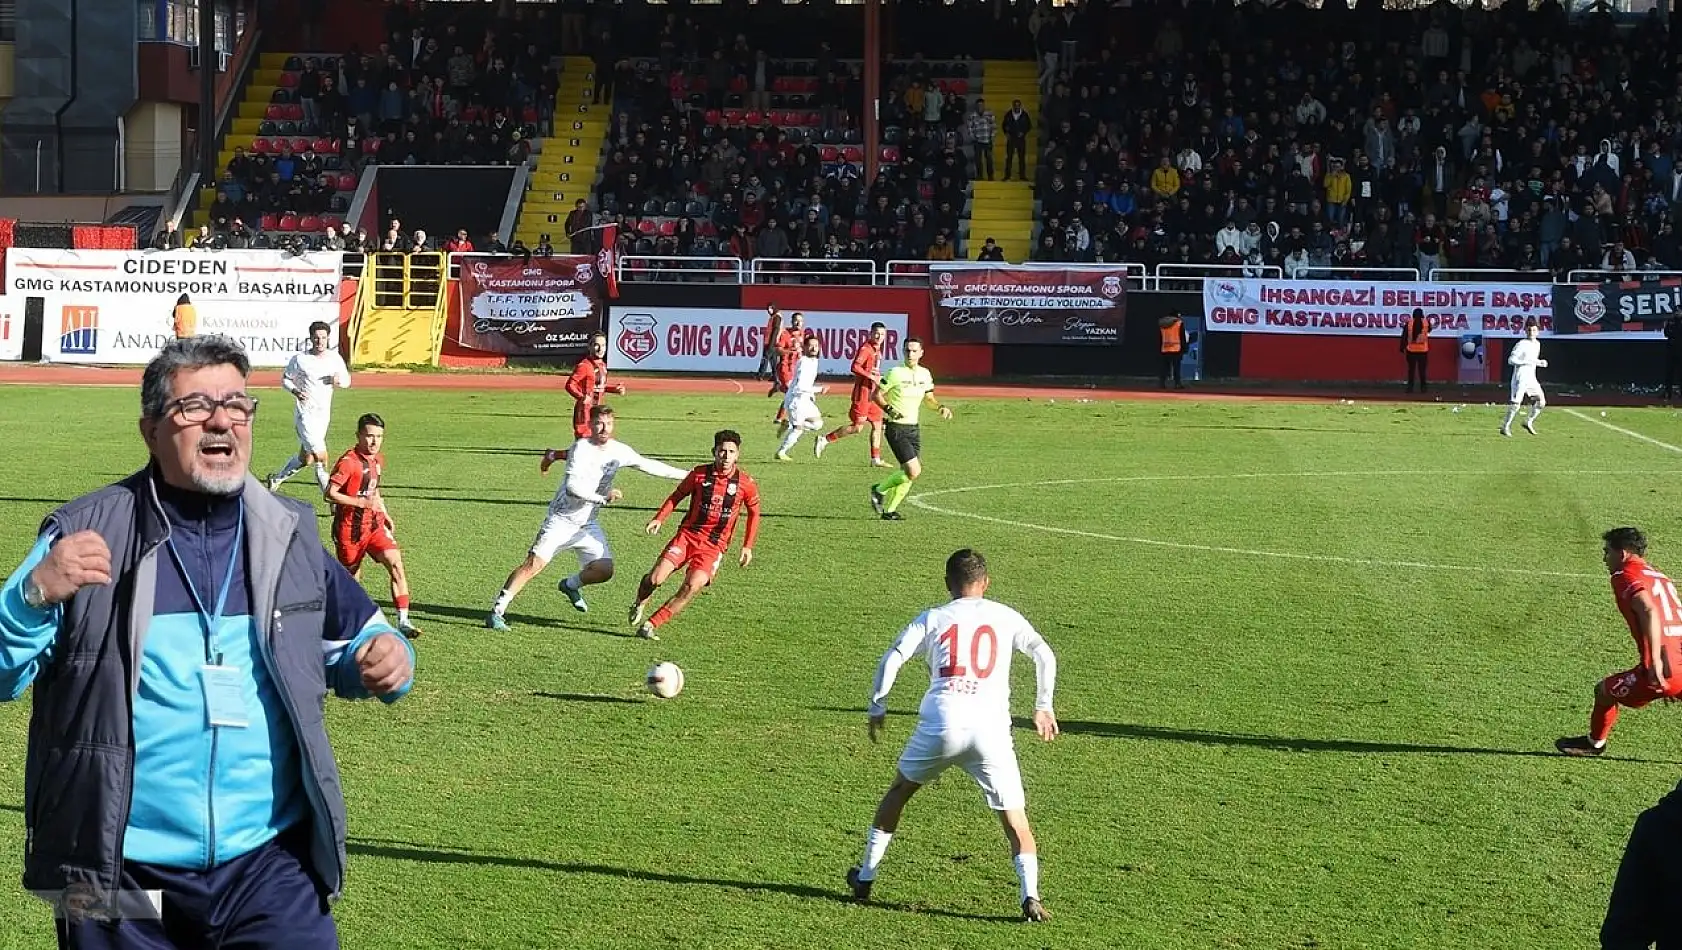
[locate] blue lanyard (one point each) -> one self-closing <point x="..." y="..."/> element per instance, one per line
<point x="212" y="620"/>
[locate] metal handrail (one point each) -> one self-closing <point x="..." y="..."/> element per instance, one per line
<point x="677" y="269"/>
<point x="1488" y="275"/>
<point x="1363" y="273"/>
<point x="813" y="267"/>
<point x="1613" y="276"/>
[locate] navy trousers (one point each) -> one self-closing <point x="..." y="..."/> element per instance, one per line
<point x="269" y="899"/>
<point x="1648" y="889"/>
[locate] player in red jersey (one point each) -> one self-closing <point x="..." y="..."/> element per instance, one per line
<point x="788" y="354"/>
<point x="1650" y="606"/>
<point x="362" y="526"/>
<point x="867" y="375"/>
<point x="586" y="385"/>
<point x="718" y="494"/>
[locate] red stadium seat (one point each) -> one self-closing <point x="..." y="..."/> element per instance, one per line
<point x="739" y="84"/>
<point x="346" y="182"/>
<point x="269" y="222"/>
<point x="668" y="227"/>
<point x="812" y="119"/>
<point x="959" y="87"/>
<point x="713" y="116"/>
<point x="647" y="226"/>
<point x="852" y="154"/>
<point x="370" y="145"/>
<point x="333" y="221"/>
<point x="275" y="112"/>
<point x="861" y="230"/>
<point x="299" y="144"/>
<point x="324" y="146"/>
<point x="263" y="146"/>
<point x="309" y="222"/>
<point x="289" y="222"/>
<point x="288" y="80"/>
<point x="829" y="153"/>
<point x="754" y="118"/>
<point x="890" y="154"/>
<point x="294" y="112"/>
<point x="733" y="116"/>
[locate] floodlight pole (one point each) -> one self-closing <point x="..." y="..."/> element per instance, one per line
<point x="873" y="89"/>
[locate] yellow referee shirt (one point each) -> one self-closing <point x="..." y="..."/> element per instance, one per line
<point x="904" y="390"/>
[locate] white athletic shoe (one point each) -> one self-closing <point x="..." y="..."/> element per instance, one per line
<point x="635" y="614"/>
<point x="782" y="457"/>
<point x="878" y="463"/>
<point x="646" y="632"/>
<point x="818" y="447"/>
<point x="1506" y="432"/>
<point x="1530" y="427"/>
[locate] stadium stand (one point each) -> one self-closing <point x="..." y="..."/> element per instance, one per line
<point x="462" y="89"/>
<point x="1328" y="141"/>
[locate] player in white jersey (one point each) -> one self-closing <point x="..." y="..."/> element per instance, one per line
<point x="571" y="523"/>
<point x="1525" y="358"/>
<point x="801" y="403"/>
<point x="965" y="716"/>
<point x="310" y="377"/>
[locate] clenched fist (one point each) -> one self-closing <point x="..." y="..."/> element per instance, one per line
<point x="76" y="561"/>
<point x="384" y="664"/>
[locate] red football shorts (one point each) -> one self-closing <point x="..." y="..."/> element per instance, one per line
<point x="580" y="421"/>
<point x="863" y="411"/>
<point x="1632" y="689"/>
<point x="691" y="552"/>
<point x="351" y="551"/>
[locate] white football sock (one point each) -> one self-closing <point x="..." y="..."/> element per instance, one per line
<point x="402" y="616"/>
<point x="875" y="846"/>
<point x="1028" y="873"/>
<point x="503" y="599"/>
<point x="288" y="470"/>
<point x="321" y="476"/>
<point x="1512" y="410"/>
<point x="1535" y="410"/>
<point x="790" y="437"/>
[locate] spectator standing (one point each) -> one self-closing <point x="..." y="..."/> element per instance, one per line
<point x="1016" y="127"/>
<point x="179" y="624"/>
<point x="980" y="126"/>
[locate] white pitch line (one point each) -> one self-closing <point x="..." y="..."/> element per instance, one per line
<point x="921" y="501"/>
<point x="1623" y="431"/>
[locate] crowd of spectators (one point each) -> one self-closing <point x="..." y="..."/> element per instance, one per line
<point x="454" y="84"/>
<point x="1300" y="139"/>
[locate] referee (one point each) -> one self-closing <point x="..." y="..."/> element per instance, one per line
<point x="901" y="397"/>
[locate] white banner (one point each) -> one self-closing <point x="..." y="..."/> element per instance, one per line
<point x="682" y="340"/>
<point x="1373" y="308"/>
<point x="11" y="328"/>
<point x="118" y="307"/>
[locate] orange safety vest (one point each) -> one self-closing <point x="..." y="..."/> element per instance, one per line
<point x="186" y="321"/>
<point x="1171" y="339"/>
<point x="1420" y="343"/>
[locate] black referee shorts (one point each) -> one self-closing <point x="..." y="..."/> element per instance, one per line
<point x="905" y="441"/>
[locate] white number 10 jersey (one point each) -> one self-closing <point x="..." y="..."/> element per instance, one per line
<point x="968" y="643"/>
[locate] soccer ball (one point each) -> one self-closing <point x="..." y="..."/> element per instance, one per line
<point x="1468" y="349"/>
<point x="665" y="680"/>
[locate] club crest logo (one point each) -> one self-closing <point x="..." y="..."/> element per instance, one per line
<point x="636" y="336"/>
<point x="1591" y="306"/>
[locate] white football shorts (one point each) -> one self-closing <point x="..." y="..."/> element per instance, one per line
<point x="312" y="431"/>
<point x="1532" y="390"/>
<point x="803" y="412"/>
<point x="560" y="534"/>
<point x="989" y="756"/>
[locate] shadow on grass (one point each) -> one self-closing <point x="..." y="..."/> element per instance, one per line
<point x="477" y="615"/>
<point x="589" y="698"/>
<point x="1127" y="730"/>
<point x="408" y="851"/>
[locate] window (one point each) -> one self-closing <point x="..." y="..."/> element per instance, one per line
<point x="176" y="11"/>
<point x="147" y="23"/>
<point x="8" y="20"/>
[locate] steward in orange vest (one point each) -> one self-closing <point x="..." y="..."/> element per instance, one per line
<point x="1416" y="343"/>
<point x="186" y="318"/>
<point x="1173" y="348"/>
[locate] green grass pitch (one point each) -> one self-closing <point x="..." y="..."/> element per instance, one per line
<point x="1313" y="661"/>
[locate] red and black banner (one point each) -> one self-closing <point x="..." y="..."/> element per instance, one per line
<point x="1635" y="309"/>
<point x="544" y="306"/>
<point x="1071" y="306"/>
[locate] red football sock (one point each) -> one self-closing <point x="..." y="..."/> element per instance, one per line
<point x="876" y="452"/>
<point x="660" y="617"/>
<point x="831" y="437"/>
<point x="1601" y="720"/>
<point x="402" y="602"/>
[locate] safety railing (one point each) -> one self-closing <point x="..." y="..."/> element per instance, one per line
<point x="1190" y="277"/>
<point x="813" y="270"/>
<point x="408" y="281"/>
<point x="1488" y="275"/>
<point x="1598" y="276"/>
<point x="667" y="269"/>
<point x="1360" y="273"/>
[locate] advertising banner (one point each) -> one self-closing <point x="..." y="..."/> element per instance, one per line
<point x="547" y="306"/>
<point x="118" y="307"/>
<point x="1373" y="308"/>
<point x="685" y="340"/>
<point x="1631" y="310"/>
<point x="1033" y="306"/>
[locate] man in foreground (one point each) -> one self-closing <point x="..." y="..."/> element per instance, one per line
<point x="718" y="493"/>
<point x="571" y="524"/>
<point x="1651" y="609"/>
<point x="965" y="717"/>
<point x="181" y="629"/>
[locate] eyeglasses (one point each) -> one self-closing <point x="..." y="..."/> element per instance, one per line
<point x="198" y="408"/>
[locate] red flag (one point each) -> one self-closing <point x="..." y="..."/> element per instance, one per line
<point x="607" y="259"/>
